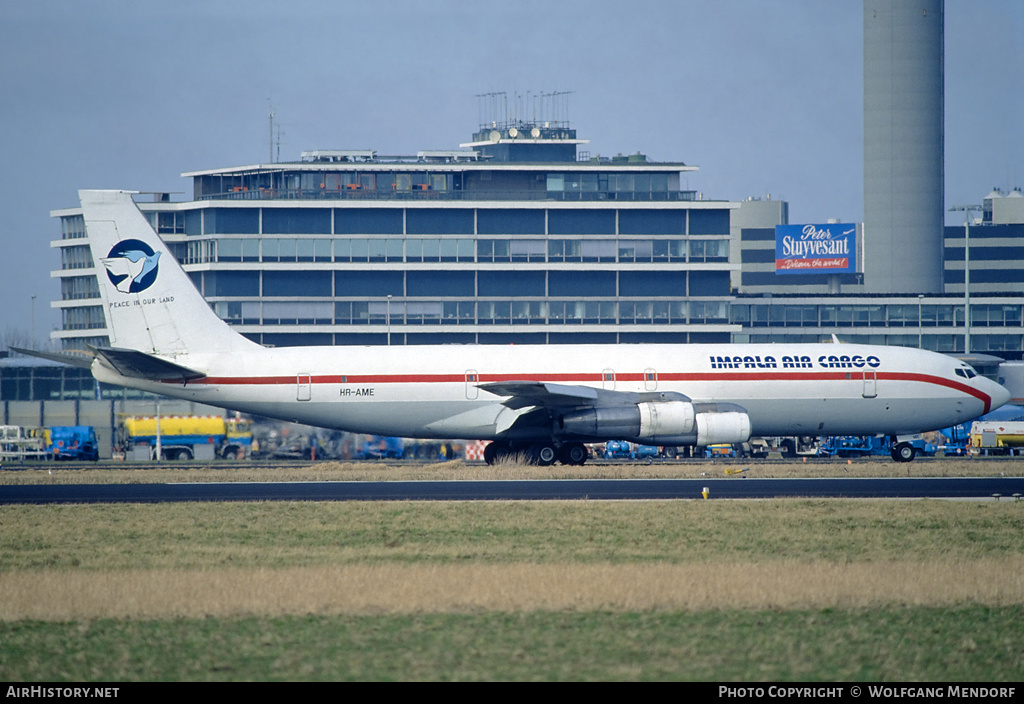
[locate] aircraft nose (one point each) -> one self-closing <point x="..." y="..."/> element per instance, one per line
<point x="999" y="393"/>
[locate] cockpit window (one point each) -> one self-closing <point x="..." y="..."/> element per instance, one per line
<point x="966" y="372"/>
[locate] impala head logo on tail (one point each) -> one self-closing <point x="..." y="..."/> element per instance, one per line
<point x="131" y="266"/>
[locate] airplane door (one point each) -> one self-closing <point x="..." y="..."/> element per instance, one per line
<point x="472" y="379"/>
<point x="304" y="387"/>
<point x="650" y="380"/>
<point x="608" y="379"/>
<point x="870" y="384"/>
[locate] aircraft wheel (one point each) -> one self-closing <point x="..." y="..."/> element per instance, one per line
<point x="543" y="454"/>
<point x="574" y="453"/>
<point x="903" y="452"/>
<point x="496" y="451"/>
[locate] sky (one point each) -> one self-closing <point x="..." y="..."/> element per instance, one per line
<point x="764" y="96"/>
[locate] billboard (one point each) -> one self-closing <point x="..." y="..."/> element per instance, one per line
<point x="816" y="249"/>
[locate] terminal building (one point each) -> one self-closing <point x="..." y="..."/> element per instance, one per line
<point x="514" y="238"/>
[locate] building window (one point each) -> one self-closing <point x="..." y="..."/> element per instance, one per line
<point x="78" y="257"/>
<point x="296" y="283"/>
<point x="585" y="222"/>
<point x="362" y="284"/>
<point x="231" y="221"/>
<point x="443" y="221"/>
<point x="652" y="222"/>
<point x="172" y="223"/>
<point x="84" y="318"/>
<point x="72" y="227"/>
<point x="365" y="221"/>
<point x="296" y="221"/>
<point x="512" y="283"/>
<point x="441" y="283"/>
<point x="504" y="221"/>
<point x="79" y="287"/>
<point x="579" y="284"/>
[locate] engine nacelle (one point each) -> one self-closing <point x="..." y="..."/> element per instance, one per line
<point x="603" y="422"/>
<point x="658" y="423"/>
<point x="722" y="428"/>
<point x="667" y="423"/>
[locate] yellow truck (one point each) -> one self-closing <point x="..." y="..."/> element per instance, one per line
<point x="185" y="437"/>
<point x="997" y="437"/>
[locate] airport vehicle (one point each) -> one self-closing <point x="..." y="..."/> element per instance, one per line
<point x="545" y="400"/>
<point x="958" y="437"/>
<point x="873" y="446"/>
<point x="186" y="437"/>
<point x="757" y="448"/>
<point x="720" y="450"/>
<point x="997" y="436"/>
<point x="646" y="452"/>
<point x="18" y="443"/>
<point x="72" y="442"/>
<point x="618" y="450"/>
<point x="379" y="447"/>
<point x="798" y="446"/>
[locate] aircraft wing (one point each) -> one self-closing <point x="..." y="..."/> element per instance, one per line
<point x="140" y="365"/>
<point x="550" y="395"/>
<point x="540" y="393"/>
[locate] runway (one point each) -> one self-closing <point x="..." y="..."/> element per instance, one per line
<point x="1002" y="488"/>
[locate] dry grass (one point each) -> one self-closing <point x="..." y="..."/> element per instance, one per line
<point x="59" y="595"/>
<point x="274" y="558"/>
<point x="459" y="470"/>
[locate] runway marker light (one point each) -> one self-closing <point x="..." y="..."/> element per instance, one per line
<point x="706" y="493"/>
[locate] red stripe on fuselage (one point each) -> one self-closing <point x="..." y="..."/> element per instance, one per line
<point x="716" y="376"/>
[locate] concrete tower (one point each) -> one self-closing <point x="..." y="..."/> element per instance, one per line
<point x="903" y="145"/>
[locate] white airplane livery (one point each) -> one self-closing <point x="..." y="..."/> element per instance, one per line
<point x="545" y="401"/>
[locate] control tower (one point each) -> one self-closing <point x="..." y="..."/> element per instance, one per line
<point x="903" y="146"/>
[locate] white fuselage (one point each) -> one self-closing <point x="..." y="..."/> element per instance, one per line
<point x="433" y="391"/>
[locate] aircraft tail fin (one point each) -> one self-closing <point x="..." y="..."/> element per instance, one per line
<point x="151" y="304"/>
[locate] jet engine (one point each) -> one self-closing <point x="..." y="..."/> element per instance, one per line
<point x="660" y="423"/>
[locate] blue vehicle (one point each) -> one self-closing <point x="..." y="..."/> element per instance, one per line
<point x="72" y="442"/>
<point x="618" y="450"/>
<point x="873" y="446"/>
<point x="379" y="447"/>
<point x="646" y="451"/>
<point x="720" y="450"/>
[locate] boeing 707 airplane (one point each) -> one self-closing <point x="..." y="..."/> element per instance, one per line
<point x="545" y="401"/>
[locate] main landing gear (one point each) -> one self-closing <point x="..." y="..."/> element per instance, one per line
<point x="539" y="453"/>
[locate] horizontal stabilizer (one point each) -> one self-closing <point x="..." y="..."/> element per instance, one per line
<point x="140" y="365"/>
<point x="83" y="360"/>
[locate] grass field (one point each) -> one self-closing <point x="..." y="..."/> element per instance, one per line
<point x="119" y="473"/>
<point x="697" y="590"/>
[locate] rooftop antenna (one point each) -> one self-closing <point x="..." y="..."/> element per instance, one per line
<point x="272" y="131"/>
